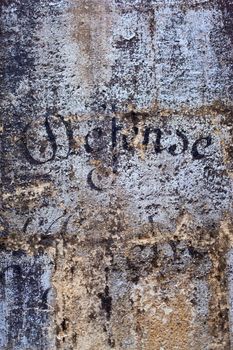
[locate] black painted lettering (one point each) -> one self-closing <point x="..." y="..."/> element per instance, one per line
<point x="93" y="141"/>
<point x="91" y="182"/>
<point x="172" y="149"/>
<point x="157" y="144"/>
<point x="51" y="140"/>
<point x="195" y="149"/>
<point x="69" y="134"/>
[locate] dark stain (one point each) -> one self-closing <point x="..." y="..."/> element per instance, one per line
<point x="127" y="44"/>
<point x="154" y="260"/>
<point x="64" y="324"/>
<point x="4" y="232"/>
<point x="195" y="253"/>
<point x="44" y="299"/>
<point x="106" y="302"/>
<point x="27" y="222"/>
<point x="92" y="316"/>
<point x="226" y="7"/>
<point x="74" y="338"/>
<point x="134" y="271"/>
<point x="111" y="342"/>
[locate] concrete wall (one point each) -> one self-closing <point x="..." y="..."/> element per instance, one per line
<point x="116" y="175"/>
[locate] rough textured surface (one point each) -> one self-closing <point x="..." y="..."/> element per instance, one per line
<point x="116" y="175"/>
<point x="25" y="301"/>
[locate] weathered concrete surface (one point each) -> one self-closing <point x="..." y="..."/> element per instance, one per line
<point x="116" y="175"/>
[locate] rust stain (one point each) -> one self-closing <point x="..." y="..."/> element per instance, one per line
<point x="170" y="328"/>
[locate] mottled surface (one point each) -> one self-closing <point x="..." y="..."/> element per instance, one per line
<point x="116" y="175"/>
<point x="25" y="301"/>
